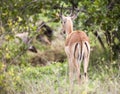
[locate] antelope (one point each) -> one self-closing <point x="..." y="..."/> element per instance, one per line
<point x="77" y="47"/>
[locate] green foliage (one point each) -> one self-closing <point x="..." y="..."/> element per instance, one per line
<point x="101" y="16"/>
<point x="97" y="16"/>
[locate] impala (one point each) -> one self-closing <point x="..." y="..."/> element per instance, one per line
<point x="77" y="47"/>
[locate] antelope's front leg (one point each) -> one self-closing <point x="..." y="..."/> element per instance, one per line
<point x="71" y="75"/>
<point x="77" y="69"/>
<point x="70" y="65"/>
<point x="71" y="72"/>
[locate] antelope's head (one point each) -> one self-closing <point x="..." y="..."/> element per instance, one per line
<point x="67" y="21"/>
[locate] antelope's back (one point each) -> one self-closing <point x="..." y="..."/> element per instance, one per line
<point x="76" y="37"/>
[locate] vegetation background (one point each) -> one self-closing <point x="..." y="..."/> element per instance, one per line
<point x="46" y="72"/>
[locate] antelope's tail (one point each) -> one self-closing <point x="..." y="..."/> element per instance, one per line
<point x="81" y="50"/>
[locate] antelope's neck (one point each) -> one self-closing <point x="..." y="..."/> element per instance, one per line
<point x="69" y="28"/>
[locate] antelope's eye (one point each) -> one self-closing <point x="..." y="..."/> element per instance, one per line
<point x="64" y="22"/>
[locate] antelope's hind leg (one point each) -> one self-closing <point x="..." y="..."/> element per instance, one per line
<point x="86" y="61"/>
<point x="85" y="68"/>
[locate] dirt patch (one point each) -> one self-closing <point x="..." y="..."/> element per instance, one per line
<point x="48" y="57"/>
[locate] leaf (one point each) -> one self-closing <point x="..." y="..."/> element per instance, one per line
<point x="84" y="92"/>
<point x="7" y="56"/>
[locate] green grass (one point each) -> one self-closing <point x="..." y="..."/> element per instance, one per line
<point x="53" y="79"/>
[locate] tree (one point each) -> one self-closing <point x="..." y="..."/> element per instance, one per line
<point x="101" y="17"/>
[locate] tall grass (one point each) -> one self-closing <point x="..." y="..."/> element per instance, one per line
<point x="53" y="79"/>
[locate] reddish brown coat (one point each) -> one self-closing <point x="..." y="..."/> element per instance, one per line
<point x="76" y="36"/>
